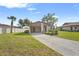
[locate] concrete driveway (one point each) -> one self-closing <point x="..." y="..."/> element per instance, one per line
<point x="63" y="46"/>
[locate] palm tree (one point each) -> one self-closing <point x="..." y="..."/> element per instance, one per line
<point x="12" y="18"/>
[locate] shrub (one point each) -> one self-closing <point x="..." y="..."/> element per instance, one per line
<point x="52" y="32"/>
<point x="26" y="31"/>
<point x="49" y="33"/>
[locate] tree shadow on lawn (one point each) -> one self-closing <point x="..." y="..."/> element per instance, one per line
<point x="22" y="33"/>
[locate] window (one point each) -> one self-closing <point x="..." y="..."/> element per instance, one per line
<point x="71" y="28"/>
<point x="75" y="28"/>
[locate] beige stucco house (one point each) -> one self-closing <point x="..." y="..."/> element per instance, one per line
<point x="38" y="27"/>
<point x="71" y="26"/>
<point x="35" y="27"/>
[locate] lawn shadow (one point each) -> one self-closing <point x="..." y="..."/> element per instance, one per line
<point x="21" y="33"/>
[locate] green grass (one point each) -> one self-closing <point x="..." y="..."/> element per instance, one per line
<point x="69" y="35"/>
<point x="21" y="44"/>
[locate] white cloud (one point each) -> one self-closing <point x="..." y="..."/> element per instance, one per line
<point x="38" y="12"/>
<point x="13" y="3"/>
<point x="56" y="16"/>
<point x="31" y="8"/>
<point x="69" y="18"/>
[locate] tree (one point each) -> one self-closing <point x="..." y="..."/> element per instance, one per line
<point x="12" y="18"/>
<point x="21" y="23"/>
<point x="27" y="22"/>
<point x="50" y="19"/>
<point x="44" y="19"/>
<point x="24" y="22"/>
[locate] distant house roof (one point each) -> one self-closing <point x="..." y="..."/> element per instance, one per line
<point x="71" y="24"/>
<point x="7" y="26"/>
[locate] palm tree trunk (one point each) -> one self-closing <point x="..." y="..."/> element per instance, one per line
<point x="11" y="26"/>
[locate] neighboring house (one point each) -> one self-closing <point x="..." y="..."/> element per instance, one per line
<point x="38" y="27"/>
<point x="71" y="26"/>
<point x="6" y="29"/>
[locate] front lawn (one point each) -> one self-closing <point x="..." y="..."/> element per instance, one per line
<point x="69" y="35"/>
<point x="23" y="44"/>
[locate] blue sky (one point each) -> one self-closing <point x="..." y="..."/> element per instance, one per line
<point x="65" y="12"/>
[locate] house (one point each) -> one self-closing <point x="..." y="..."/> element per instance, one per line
<point x="6" y="29"/>
<point x="35" y="27"/>
<point x="38" y="27"/>
<point x="71" y="26"/>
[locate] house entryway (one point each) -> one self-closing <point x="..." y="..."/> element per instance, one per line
<point x="36" y="29"/>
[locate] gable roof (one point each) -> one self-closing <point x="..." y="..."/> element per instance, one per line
<point x="37" y="23"/>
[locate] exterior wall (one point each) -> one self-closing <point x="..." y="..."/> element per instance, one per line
<point x="41" y="27"/>
<point x="66" y="28"/>
<point x="77" y="28"/>
<point x="0" y="30"/>
<point x="7" y="30"/>
<point x="38" y="29"/>
<point x="4" y="29"/>
<point x="74" y="28"/>
<point x="19" y="30"/>
<point x="44" y="28"/>
<point x="35" y="29"/>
